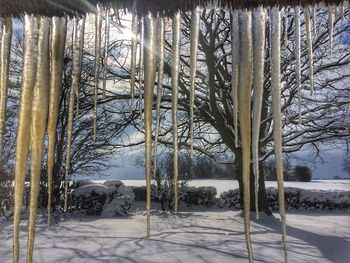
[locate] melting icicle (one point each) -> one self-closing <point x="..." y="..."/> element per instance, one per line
<point x="78" y="33"/>
<point x="80" y="39"/>
<point x="98" y="25"/>
<point x="258" y="84"/>
<point x="160" y="26"/>
<point x="105" y="57"/>
<point x="133" y="55"/>
<point x="58" y="39"/>
<point x="195" y="19"/>
<point x="24" y="122"/>
<point x="330" y="26"/>
<point x="38" y="127"/>
<point x="4" y="74"/>
<point x="150" y="74"/>
<point x="141" y="69"/>
<point x="276" y="115"/>
<point x="175" y="54"/>
<point x="286" y="27"/>
<point x="235" y="65"/>
<point x="309" y="48"/>
<point x="244" y="109"/>
<point x="297" y="57"/>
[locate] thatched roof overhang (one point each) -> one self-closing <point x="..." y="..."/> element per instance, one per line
<point x="15" y="8"/>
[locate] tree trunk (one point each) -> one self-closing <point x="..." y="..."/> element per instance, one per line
<point x="262" y="196"/>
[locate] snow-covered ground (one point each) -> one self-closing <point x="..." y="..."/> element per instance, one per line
<point x="192" y="236"/>
<point x="225" y="185"/>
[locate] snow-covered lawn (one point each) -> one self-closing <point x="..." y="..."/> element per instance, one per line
<point x="225" y="185"/>
<point x="192" y="236"/>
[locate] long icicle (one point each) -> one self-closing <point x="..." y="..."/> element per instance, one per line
<point x="258" y="85"/>
<point x="297" y="58"/>
<point x="105" y="56"/>
<point x="309" y="48"/>
<point x="150" y="63"/>
<point x="133" y="55"/>
<point x="244" y="109"/>
<point x="78" y="28"/>
<point x="24" y="122"/>
<point x="161" y="31"/>
<point x="235" y="66"/>
<point x="38" y="127"/>
<point x="286" y="41"/>
<point x="80" y="36"/>
<point x="276" y="115"/>
<point x="314" y="20"/>
<point x="98" y="25"/>
<point x="175" y="54"/>
<point x="195" y="19"/>
<point x="4" y="75"/>
<point x="141" y="68"/>
<point x="330" y="26"/>
<point x="58" y="40"/>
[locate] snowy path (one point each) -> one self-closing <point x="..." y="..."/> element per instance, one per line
<point x="215" y="236"/>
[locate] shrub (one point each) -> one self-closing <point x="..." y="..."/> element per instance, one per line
<point x="204" y="195"/>
<point x="230" y="199"/>
<point x="302" y="173"/>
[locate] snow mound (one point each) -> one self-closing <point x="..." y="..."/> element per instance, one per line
<point x="86" y="190"/>
<point x="81" y="183"/>
<point x="113" y="183"/>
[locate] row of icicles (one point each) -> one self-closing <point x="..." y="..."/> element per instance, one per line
<point x="44" y="44"/>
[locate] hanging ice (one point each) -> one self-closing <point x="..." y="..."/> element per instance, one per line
<point x="4" y="74"/>
<point x="141" y="69"/>
<point x="80" y="39"/>
<point x="258" y="85"/>
<point x="244" y="109"/>
<point x="286" y="27"/>
<point x="150" y="63"/>
<point x="314" y="20"/>
<point x="235" y="65"/>
<point x="330" y="26"/>
<point x="297" y="58"/>
<point x="105" y="57"/>
<point x="276" y="115"/>
<point x="24" y="122"/>
<point x="38" y="127"/>
<point x="309" y="48"/>
<point x="133" y="55"/>
<point x="98" y="25"/>
<point x="161" y="31"/>
<point x="195" y="19"/>
<point x="58" y="40"/>
<point x="174" y="100"/>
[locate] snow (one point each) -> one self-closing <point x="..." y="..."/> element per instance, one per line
<point x="196" y="236"/>
<point x="225" y="185"/>
<point x="87" y="189"/>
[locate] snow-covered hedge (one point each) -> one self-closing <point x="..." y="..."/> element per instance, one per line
<point x="110" y="199"/>
<point x="295" y="199"/>
<point x="204" y="195"/>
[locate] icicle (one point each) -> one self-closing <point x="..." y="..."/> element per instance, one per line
<point x="38" y="127"/>
<point x="314" y="20"/>
<point x="98" y="25"/>
<point x="244" y="109"/>
<point x="276" y="114"/>
<point x="195" y="19"/>
<point x="160" y="26"/>
<point x="258" y="85"/>
<point x="141" y="69"/>
<point x="24" y="122"/>
<point x="80" y="38"/>
<point x="105" y="58"/>
<point x="150" y="74"/>
<point x="58" y="39"/>
<point x="297" y="57"/>
<point x="309" y="49"/>
<point x="235" y="65"/>
<point x="286" y="27"/>
<point x="175" y="54"/>
<point x="330" y="26"/>
<point x="342" y="10"/>
<point x="4" y="75"/>
<point x="78" y="33"/>
<point x="133" y="55"/>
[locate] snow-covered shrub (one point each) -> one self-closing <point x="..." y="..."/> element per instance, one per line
<point x="204" y="195"/>
<point x="6" y="198"/>
<point x="113" y="183"/>
<point x="97" y="199"/>
<point x="230" y="199"/>
<point x="302" y="173"/>
<point x="80" y="183"/>
<point x="140" y="193"/>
